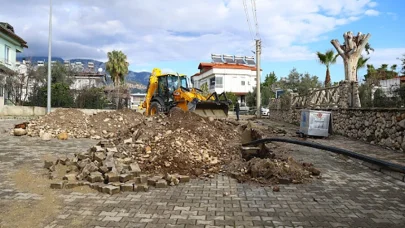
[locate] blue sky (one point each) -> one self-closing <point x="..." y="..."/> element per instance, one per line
<point x="387" y="38"/>
<point x="176" y="35"/>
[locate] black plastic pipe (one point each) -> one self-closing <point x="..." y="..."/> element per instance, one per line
<point x="379" y="162"/>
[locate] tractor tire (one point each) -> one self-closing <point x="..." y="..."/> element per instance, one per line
<point x="155" y="108"/>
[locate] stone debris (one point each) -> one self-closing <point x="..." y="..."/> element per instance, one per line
<point x="19" y="131"/>
<point x="57" y="185"/>
<point x="73" y="123"/>
<point x="63" y="136"/>
<point x="107" y="170"/>
<point x="137" y="152"/>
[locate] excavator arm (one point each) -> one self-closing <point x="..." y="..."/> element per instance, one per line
<point x="151" y="89"/>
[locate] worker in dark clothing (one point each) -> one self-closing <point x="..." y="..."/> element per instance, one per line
<point x="237" y="109"/>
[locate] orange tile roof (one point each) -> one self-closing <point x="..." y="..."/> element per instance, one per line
<point x="226" y="66"/>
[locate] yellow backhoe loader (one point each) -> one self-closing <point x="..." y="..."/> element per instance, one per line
<point x="168" y="91"/>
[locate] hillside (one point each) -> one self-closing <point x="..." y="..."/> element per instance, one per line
<point x="137" y="80"/>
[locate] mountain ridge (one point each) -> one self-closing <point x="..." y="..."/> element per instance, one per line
<point x="141" y="78"/>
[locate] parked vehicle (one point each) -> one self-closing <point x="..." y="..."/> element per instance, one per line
<point x="243" y="109"/>
<point x="265" y="111"/>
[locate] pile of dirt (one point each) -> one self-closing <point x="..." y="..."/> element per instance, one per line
<point x="272" y="171"/>
<point x="183" y="143"/>
<point x="268" y="164"/>
<point x="154" y="151"/>
<point x="80" y="125"/>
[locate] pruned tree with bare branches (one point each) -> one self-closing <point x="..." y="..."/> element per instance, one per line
<point x="350" y="52"/>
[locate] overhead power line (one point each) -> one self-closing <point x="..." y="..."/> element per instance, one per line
<point x="254" y="12"/>
<point x="248" y="18"/>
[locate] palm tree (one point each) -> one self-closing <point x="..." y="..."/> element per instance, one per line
<point x="361" y="63"/>
<point x="327" y="59"/>
<point x="117" y="66"/>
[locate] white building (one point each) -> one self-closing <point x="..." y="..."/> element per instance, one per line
<point x="227" y="76"/>
<point x="389" y="86"/>
<point x="137" y="100"/>
<point x="84" y="80"/>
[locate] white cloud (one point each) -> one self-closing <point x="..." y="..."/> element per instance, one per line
<point x="372" y="12"/>
<point x="385" y="56"/>
<point x="179" y="29"/>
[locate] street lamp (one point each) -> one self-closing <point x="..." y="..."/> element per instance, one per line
<point x="48" y="110"/>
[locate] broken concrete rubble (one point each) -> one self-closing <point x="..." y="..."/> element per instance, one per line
<point x="108" y="174"/>
<point x="180" y="146"/>
<point x="19" y="131"/>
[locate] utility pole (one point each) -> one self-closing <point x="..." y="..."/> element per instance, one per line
<point x="258" y="98"/>
<point x="48" y="110"/>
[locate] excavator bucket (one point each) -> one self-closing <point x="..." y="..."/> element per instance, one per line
<point x="212" y="109"/>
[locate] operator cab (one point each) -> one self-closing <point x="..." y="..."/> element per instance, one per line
<point x="167" y="84"/>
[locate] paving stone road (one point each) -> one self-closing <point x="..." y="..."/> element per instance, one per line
<point x="348" y="195"/>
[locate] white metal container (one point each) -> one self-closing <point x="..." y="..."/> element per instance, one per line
<point x="315" y="123"/>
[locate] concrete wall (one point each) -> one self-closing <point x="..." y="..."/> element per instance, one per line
<point x="384" y="127"/>
<point x="16" y="111"/>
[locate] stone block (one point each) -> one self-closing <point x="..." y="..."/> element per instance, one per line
<point x="125" y="177"/>
<point x="112" y="149"/>
<point x="183" y="178"/>
<point x="103" y="169"/>
<point x="109" y="189"/>
<point x="99" y="156"/>
<point x="143" y="179"/>
<point x="83" y="155"/>
<point x="70" y="177"/>
<point x="135" y="169"/>
<point x="112" y="177"/>
<point x="71" y="185"/>
<point x="95" y="177"/>
<point x="19" y="132"/>
<point x="117" y="184"/>
<point x="152" y="180"/>
<point x="127" y="187"/>
<point x="161" y="184"/>
<point x="64" y="161"/>
<point x="97" y="149"/>
<point x="100" y="187"/>
<point x="57" y="185"/>
<point x="48" y="164"/>
<point x="84" y="183"/>
<point x="141" y="188"/>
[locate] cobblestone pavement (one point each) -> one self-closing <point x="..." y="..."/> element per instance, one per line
<point x="347" y="195"/>
<point x="357" y="146"/>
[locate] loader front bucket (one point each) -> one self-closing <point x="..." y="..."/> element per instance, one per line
<point x="212" y="109"/>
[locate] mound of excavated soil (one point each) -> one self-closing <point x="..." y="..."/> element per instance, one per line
<point x="184" y="143"/>
<point x="79" y="125"/>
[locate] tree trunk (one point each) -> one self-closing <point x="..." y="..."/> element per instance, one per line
<point x="350" y="63"/>
<point x="327" y="78"/>
<point x="350" y="51"/>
